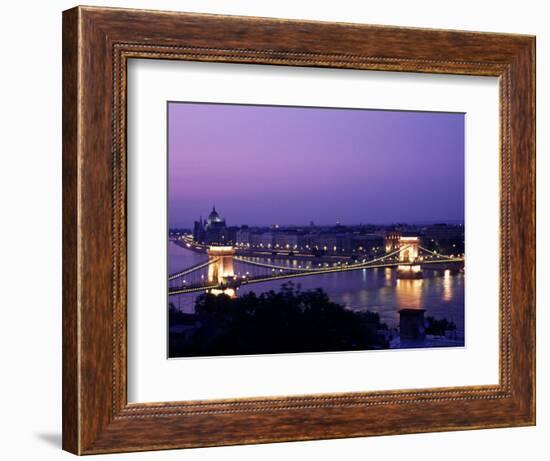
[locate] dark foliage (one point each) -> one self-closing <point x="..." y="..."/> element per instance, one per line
<point x="275" y="322"/>
<point x="176" y="317"/>
<point x="438" y="327"/>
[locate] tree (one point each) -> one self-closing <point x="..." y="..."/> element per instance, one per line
<point x="287" y="321"/>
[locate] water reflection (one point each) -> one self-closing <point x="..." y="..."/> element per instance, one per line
<point x="447" y="286"/>
<point x="409" y="292"/>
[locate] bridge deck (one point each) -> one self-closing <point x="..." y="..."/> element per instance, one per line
<point x="294" y="273"/>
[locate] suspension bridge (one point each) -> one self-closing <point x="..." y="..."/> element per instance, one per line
<point x="219" y="275"/>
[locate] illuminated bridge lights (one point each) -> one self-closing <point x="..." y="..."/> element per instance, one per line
<point x="225" y="277"/>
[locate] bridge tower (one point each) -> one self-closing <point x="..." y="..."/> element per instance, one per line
<point x="221" y="270"/>
<point x="409" y="262"/>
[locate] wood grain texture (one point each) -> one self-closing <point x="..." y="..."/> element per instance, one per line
<point x="70" y="383"/>
<point x="97" y="43"/>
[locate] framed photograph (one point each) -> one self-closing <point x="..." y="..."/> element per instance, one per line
<point x="338" y="266"/>
<point x="281" y="230"/>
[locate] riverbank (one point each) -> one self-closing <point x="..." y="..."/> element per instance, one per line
<point x="281" y="254"/>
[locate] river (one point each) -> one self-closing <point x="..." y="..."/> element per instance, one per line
<point x="440" y="293"/>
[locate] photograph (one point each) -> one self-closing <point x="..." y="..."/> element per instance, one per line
<point x="313" y="229"/>
<point x="278" y="225"/>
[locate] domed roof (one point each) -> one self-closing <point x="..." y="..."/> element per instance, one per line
<point x="214" y="216"/>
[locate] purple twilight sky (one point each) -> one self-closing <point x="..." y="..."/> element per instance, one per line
<point x="263" y="165"/>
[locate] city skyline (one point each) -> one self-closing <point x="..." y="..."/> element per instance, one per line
<point x="310" y="223"/>
<point x="322" y="165"/>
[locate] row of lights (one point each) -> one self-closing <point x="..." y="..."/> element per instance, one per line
<point x="295" y="247"/>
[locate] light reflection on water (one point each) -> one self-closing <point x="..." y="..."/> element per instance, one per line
<point x="409" y="292"/>
<point x="441" y="293"/>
